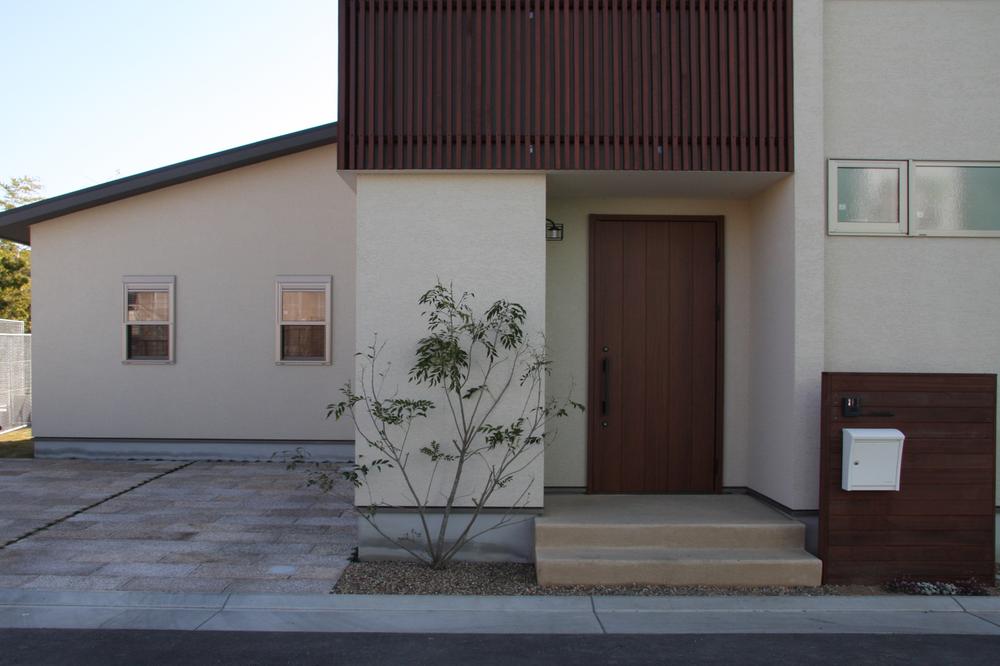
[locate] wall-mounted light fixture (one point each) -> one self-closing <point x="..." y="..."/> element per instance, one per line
<point x="553" y="230"/>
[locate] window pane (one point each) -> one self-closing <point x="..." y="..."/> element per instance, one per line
<point x="148" y="305"/>
<point x="303" y="343"/>
<point x="303" y="305"/>
<point x="956" y="198"/>
<point x="148" y="342"/>
<point x="866" y="195"/>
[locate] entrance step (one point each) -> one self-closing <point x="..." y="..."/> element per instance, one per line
<point x="719" y="540"/>
<point x="561" y="535"/>
<point x="726" y="567"/>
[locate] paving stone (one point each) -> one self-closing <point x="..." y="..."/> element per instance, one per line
<point x="332" y="521"/>
<point x="127" y="556"/>
<point x="145" y="569"/>
<point x="263" y="572"/>
<point x="94" y="517"/>
<point x="77" y="583"/>
<point x="310" y="559"/>
<point x="288" y="586"/>
<point x="295" y="537"/>
<point x="168" y="584"/>
<point x="339" y="551"/>
<point x="240" y="537"/>
<point x="265" y="548"/>
<point x="253" y="519"/>
<point x="46" y="566"/>
<point x="241" y="524"/>
<point x="328" y="572"/>
<point x="8" y="580"/>
<point x="211" y="558"/>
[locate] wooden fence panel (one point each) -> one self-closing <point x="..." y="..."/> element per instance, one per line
<point x="940" y="524"/>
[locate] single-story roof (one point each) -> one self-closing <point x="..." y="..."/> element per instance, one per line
<point x="14" y="223"/>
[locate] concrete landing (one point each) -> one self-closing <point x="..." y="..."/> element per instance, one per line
<point x="725" y="540"/>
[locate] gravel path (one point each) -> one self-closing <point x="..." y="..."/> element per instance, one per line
<point x="508" y="579"/>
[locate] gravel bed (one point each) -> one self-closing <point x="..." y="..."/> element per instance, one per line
<point x="508" y="579"/>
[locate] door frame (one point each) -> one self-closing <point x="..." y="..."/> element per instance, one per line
<point x="593" y="397"/>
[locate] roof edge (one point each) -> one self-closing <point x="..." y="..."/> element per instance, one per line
<point x="14" y="223"/>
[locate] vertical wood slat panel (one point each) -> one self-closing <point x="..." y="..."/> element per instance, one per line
<point x="566" y="84"/>
<point x="656" y="283"/>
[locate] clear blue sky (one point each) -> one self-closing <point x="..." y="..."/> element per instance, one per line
<point x="98" y="89"/>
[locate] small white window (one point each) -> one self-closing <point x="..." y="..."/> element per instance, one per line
<point x="148" y="319"/>
<point x="303" y="305"/>
<point x="867" y="197"/>
<point x="955" y="198"/>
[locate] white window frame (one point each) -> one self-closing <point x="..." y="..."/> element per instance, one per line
<point x="949" y="233"/>
<point x="898" y="228"/>
<point x="165" y="283"/>
<point x="322" y="283"/>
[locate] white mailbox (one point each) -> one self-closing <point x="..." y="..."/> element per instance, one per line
<point x="872" y="458"/>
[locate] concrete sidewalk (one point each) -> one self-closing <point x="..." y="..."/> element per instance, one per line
<point x="22" y="608"/>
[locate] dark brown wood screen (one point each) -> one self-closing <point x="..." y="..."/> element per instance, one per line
<point x="940" y="524"/>
<point x="702" y="85"/>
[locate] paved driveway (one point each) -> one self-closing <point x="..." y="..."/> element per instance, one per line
<point x="170" y="527"/>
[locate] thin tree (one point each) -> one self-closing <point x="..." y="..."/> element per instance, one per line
<point x="473" y="362"/>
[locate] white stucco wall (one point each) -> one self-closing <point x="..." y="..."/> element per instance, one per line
<point x="912" y="80"/>
<point x="787" y="259"/>
<point x="567" y="325"/>
<point x="772" y="339"/>
<point x="225" y="238"/>
<point x="482" y="232"/>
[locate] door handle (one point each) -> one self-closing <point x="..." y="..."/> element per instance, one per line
<point x="605" y="398"/>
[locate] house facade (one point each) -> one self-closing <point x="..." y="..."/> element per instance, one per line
<point x="748" y="192"/>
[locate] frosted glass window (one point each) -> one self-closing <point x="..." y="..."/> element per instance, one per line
<point x="955" y="199"/>
<point x="867" y="197"/>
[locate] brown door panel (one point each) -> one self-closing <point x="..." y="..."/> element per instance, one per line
<point x="655" y="347"/>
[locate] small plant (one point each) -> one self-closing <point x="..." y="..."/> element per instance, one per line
<point x="471" y="361"/>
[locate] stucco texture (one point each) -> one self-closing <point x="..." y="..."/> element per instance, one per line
<point x="225" y="237"/>
<point x="912" y="80"/>
<point x="788" y="294"/>
<point x="483" y="233"/>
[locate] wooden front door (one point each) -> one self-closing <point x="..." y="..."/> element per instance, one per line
<point x="655" y="368"/>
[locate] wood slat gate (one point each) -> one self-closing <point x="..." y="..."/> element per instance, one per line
<point x="700" y="85"/>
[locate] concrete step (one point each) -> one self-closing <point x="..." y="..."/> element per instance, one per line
<point x="556" y="534"/>
<point x="725" y="567"/>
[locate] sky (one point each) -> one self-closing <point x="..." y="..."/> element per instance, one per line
<point x="95" y="90"/>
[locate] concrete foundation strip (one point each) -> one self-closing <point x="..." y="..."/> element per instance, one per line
<point x="99" y="502"/>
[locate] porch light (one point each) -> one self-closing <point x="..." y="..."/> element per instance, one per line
<point x="553" y="230"/>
